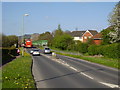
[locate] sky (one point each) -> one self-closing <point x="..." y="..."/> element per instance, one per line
<point x="59" y="0"/>
<point x="45" y="16"/>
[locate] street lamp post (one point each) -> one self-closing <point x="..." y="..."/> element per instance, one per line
<point x="23" y="33"/>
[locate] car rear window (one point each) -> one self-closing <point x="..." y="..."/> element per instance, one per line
<point x="36" y="50"/>
<point x="47" y="48"/>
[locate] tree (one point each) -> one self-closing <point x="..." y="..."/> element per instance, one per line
<point x="46" y="36"/>
<point x="59" y="28"/>
<point x="106" y="39"/>
<point x="5" y="41"/>
<point x="62" y="41"/>
<point x="58" y="31"/>
<point x="115" y="21"/>
<point x="13" y="39"/>
<point x="0" y="39"/>
<point x="81" y="47"/>
<point x="8" y="41"/>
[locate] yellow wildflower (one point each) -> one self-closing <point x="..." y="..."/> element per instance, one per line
<point x="16" y="83"/>
<point x="6" y="77"/>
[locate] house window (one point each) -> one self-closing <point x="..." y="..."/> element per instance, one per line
<point x="89" y="37"/>
<point x="85" y="37"/>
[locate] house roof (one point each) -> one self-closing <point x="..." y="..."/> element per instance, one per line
<point x="80" y="33"/>
<point x="77" y="33"/>
<point x="93" y="32"/>
<point x="99" y="35"/>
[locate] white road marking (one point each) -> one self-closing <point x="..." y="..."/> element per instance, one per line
<point x="110" y="85"/>
<point x="86" y="75"/>
<point x="74" y="69"/>
<point x="66" y="64"/>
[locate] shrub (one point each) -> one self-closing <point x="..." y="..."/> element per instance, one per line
<point x="62" y="41"/>
<point x="92" y="50"/>
<point x="8" y="54"/>
<point x="111" y="50"/>
<point x="13" y="52"/>
<point x="83" y="48"/>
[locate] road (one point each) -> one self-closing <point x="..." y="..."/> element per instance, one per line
<point x="66" y="72"/>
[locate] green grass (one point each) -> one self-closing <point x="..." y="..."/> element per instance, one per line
<point x="64" y="50"/>
<point x="41" y="47"/>
<point x="115" y="63"/>
<point x="17" y="74"/>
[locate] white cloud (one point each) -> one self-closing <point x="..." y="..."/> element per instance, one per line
<point x="60" y="0"/>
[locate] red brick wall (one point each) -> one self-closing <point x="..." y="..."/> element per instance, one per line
<point x="97" y="42"/>
<point x="87" y="34"/>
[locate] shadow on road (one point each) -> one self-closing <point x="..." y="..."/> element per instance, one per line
<point x="68" y="75"/>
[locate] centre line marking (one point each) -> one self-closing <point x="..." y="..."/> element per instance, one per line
<point x="110" y="85"/>
<point x="86" y="75"/>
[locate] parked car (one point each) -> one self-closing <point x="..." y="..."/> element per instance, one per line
<point x="36" y="52"/>
<point x="47" y="50"/>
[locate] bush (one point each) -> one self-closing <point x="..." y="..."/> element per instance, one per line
<point x="13" y="52"/>
<point x="62" y="41"/>
<point x="8" y="54"/>
<point x="111" y="50"/>
<point x="83" y="48"/>
<point x="92" y="50"/>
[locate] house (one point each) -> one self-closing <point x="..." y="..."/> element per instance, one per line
<point x="89" y="34"/>
<point x="97" y="39"/>
<point x="83" y="36"/>
<point x="77" y="35"/>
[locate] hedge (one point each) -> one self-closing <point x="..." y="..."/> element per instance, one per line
<point x="111" y="50"/>
<point x="93" y="50"/>
<point x="8" y="54"/>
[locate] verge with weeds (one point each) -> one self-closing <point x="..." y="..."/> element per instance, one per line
<point x="17" y="74"/>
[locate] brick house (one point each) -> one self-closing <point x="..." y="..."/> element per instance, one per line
<point x="83" y="36"/>
<point x="89" y="34"/>
<point x="97" y="39"/>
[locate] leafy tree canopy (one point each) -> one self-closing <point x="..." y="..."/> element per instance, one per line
<point x="46" y="36"/>
<point x="114" y="21"/>
<point x="105" y="35"/>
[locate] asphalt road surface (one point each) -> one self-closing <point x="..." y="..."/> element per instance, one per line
<point x="66" y="72"/>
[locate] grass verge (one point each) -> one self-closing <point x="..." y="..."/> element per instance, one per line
<point x="114" y="63"/>
<point x="17" y="74"/>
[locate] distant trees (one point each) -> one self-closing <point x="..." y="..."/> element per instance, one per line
<point x="58" y="31"/>
<point x="61" y="39"/>
<point x="0" y="39"/>
<point x="8" y="41"/>
<point x="46" y="36"/>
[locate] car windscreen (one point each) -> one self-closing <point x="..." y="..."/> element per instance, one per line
<point x="35" y="50"/>
<point x="47" y="49"/>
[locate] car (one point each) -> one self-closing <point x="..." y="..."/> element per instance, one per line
<point x="36" y="52"/>
<point x="31" y="51"/>
<point x="47" y="50"/>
